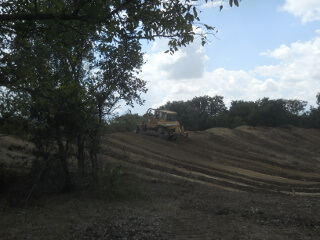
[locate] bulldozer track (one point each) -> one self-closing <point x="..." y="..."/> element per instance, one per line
<point x="244" y="159"/>
<point x="243" y="183"/>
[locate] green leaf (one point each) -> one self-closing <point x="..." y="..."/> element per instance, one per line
<point x="195" y="12"/>
<point x="208" y="27"/>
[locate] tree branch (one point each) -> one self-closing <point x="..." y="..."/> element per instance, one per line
<point x="64" y="17"/>
<point x="39" y="17"/>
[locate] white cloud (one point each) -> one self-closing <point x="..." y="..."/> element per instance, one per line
<point x="283" y="52"/>
<point x="307" y="10"/>
<point x="182" y="76"/>
<point x="298" y="73"/>
<point x="298" y="62"/>
<point x="211" y="4"/>
<point x="216" y="4"/>
<point x="188" y="64"/>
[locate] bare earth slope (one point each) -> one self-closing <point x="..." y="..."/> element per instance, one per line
<point x="244" y="183"/>
<point x="250" y="159"/>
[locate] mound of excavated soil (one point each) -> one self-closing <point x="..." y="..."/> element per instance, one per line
<point x="243" y="183"/>
<point x="251" y="159"/>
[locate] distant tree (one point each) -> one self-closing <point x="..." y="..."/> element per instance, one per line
<point x="205" y="112"/>
<point x="313" y="118"/>
<point x="220" y="120"/>
<point x="296" y="112"/>
<point x="207" y="107"/>
<point x="243" y="113"/>
<point x="272" y="113"/>
<point x="187" y="115"/>
<point x="267" y="112"/>
<point x="195" y="114"/>
<point x="210" y="106"/>
<point x="124" y="123"/>
<point x="296" y="107"/>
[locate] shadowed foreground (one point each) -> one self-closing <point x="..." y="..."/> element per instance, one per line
<point x="245" y="183"/>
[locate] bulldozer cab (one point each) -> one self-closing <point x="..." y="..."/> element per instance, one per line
<point x="167" y="116"/>
<point x="154" y="116"/>
<point x="162" y="122"/>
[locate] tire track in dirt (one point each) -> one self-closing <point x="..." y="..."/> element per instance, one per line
<point x="220" y="159"/>
<point x="261" y="150"/>
<point x="205" y="162"/>
<point x="283" y="142"/>
<point x="196" y="168"/>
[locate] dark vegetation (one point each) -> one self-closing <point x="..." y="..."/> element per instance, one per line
<point x="124" y="123"/>
<point x="205" y="112"/>
<point x="66" y="65"/>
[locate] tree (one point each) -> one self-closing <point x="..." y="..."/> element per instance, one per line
<point x="187" y="114"/>
<point x="207" y="107"/>
<point x="295" y="107"/>
<point x="267" y="112"/>
<point x="65" y="65"/>
<point x="243" y="113"/>
<point x="313" y="118"/>
<point x="272" y="113"/>
<point x="124" y="123"/>
<point x="195" y="114"/>
<point x="113" y="19"/>
<point x="44" y="72"/>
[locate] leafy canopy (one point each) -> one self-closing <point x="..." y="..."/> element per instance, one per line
<point x="65" y="65"/>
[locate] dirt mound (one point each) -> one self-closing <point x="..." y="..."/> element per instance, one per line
<point x="220" y="131"/>
<point x="254" y="159"/>
<point x="241" y="183"/>
<point x="249" y="159"/>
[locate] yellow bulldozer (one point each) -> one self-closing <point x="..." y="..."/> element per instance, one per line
<point x="163" y="123"/>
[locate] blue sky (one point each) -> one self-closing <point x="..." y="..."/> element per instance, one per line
<point x="265" y="48"/>
<point x="247" y="31"/>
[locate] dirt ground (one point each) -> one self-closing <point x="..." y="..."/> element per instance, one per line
<point x="264" y="160"/>
<point x="244" y="183"/>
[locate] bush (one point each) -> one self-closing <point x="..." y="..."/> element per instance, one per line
<point x="124" y="123"/>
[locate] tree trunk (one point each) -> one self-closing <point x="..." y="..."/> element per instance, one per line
<point x="81" y="155"/>
<point x="93" y="151"/>
<point x="63" y="150"/>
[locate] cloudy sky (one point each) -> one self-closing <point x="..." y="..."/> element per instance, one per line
<point x="265" y="48"/>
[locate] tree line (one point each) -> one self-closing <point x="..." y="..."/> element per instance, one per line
<point x="205" y="112"/>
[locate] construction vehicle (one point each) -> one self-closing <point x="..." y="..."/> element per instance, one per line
<point x="163" y="123"/>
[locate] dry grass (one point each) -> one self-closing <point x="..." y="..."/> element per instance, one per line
<point x="56" y="216"/>
<point x="51" y="218"/>
<point x="15" y="153"/>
